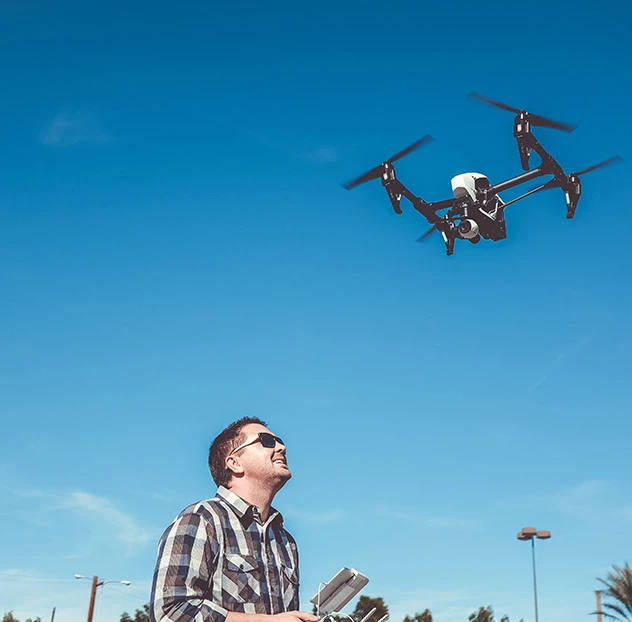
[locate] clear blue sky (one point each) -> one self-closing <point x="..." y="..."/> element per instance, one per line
<point x="176" y="252"/>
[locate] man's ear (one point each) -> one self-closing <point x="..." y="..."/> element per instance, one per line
<point x="233" y="464"/>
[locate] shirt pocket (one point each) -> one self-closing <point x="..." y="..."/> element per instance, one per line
<point x="241" y="580"/>
<point x="289" y="587"/>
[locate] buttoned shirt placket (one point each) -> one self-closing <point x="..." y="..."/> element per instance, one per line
<point x="263" y="531"/>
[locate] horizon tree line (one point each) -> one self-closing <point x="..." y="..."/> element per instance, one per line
<point x="617" y="605"/>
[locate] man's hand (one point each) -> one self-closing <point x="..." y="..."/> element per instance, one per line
<point x="295" y="616"/>
<point x="288" y="616"/>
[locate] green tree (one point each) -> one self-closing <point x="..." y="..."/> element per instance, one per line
<point x="424" y="616"/>
<point x="619" y="590"/>
<point x="139" y="616"/>
<point x="365" y="604"/>
<point x="8" y="617"/>
<point x="485" y="614"/>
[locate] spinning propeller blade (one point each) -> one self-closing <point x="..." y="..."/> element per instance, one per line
<point x="553" y="183"/>
<point x="376" y="171"/>
<point x="428" y="233"/>
<point x="418" y="143"/>
<point x="490" y="102"/>
<point x="534" y="118"/>
<point x="607" y="162"/>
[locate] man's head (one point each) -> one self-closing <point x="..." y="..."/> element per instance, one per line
<point x="247" y="449"/>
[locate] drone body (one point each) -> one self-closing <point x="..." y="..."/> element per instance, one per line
<point x="476" y="211"/>
<point x="483" y="215"/>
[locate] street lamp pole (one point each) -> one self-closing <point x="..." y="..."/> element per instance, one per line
<point x="535" y="586"/>
<point x="529" y="533"/>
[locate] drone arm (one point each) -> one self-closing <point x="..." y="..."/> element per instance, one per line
<point x="429" y="210"/>
<point x="516" y="181"/>
<point x="549" y="184"/>
<point x="396" y="190"/>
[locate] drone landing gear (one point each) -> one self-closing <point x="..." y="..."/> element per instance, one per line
<point x="572" y="192"/>
<point x="522" y="134"/>
<point x="448" y="235"/>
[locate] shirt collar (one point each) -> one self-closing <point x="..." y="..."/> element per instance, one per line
<point x="245" y="511"/>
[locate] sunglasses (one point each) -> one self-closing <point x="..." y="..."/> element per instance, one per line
<point x="265" y="438"/>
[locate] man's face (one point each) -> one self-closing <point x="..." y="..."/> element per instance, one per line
<point x="266" y="464"/>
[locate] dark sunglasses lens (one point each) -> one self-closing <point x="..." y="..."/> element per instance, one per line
<point x="268" y="440"/>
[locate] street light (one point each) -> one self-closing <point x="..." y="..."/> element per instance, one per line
<point x="530" y="533"/>
<point x="95" y="584"/>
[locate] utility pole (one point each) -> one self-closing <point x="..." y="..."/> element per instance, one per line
<point x="598" y="592"/>
<point x="52" y="618"/>
<point x="95" y="585"/>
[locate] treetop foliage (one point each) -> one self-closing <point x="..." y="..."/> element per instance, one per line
<point x="365" y="604"/>
<point x="618" y="594"/>
<point x="424" y="616"/>
<point x="139" y="616"/>
<point x="486" y="614"/>
<point x="9" y="617"/>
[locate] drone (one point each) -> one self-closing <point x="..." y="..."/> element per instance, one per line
<point x="477" y="211"/>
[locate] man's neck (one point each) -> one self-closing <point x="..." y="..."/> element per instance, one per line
<point x="254" y="496"/>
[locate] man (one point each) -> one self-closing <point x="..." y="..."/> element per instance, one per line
<point x="229" y="559"/>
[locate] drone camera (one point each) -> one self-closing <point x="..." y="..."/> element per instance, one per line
<point x="468" y="229"/>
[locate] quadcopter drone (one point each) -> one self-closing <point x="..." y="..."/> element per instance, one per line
<point x="476" y="211"/>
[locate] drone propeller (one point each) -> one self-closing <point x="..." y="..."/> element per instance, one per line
<point x="533" y="118"/>
<point x="375" y="172"/>
<point x="613" y="160"/>
<point x="428" y="233"/>
<point x="608" y="162"/>
<point x="554" y="183"/>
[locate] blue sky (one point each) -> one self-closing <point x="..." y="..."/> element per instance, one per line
<point x="176" y="252"/>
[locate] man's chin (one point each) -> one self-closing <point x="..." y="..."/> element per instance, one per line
<point x="285" y="475"/>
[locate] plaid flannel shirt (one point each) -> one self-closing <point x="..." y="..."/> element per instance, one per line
<point x="218" y="556"/>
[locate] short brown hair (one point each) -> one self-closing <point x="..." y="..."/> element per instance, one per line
<point x="229" y="438"/>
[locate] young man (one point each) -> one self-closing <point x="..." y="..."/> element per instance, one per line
<point x="229" y="559"/>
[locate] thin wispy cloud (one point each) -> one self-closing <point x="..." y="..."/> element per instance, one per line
<point x="29" y="575"/>
<point x="76" y="556"/>
<point x="586" y="495"/>
<point x="72" y="128"/>
<point x="157" y="496"/>
<point x="124" y="526"/>
<point x="458" y="522"/>
<point x="408" y="599"/>
<point x="30" y="593"/>
<point x="87" y="506"/>
<point x="328" y="516"/>
<point x="323" y="154"/>
<point x="557" y="360"/>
